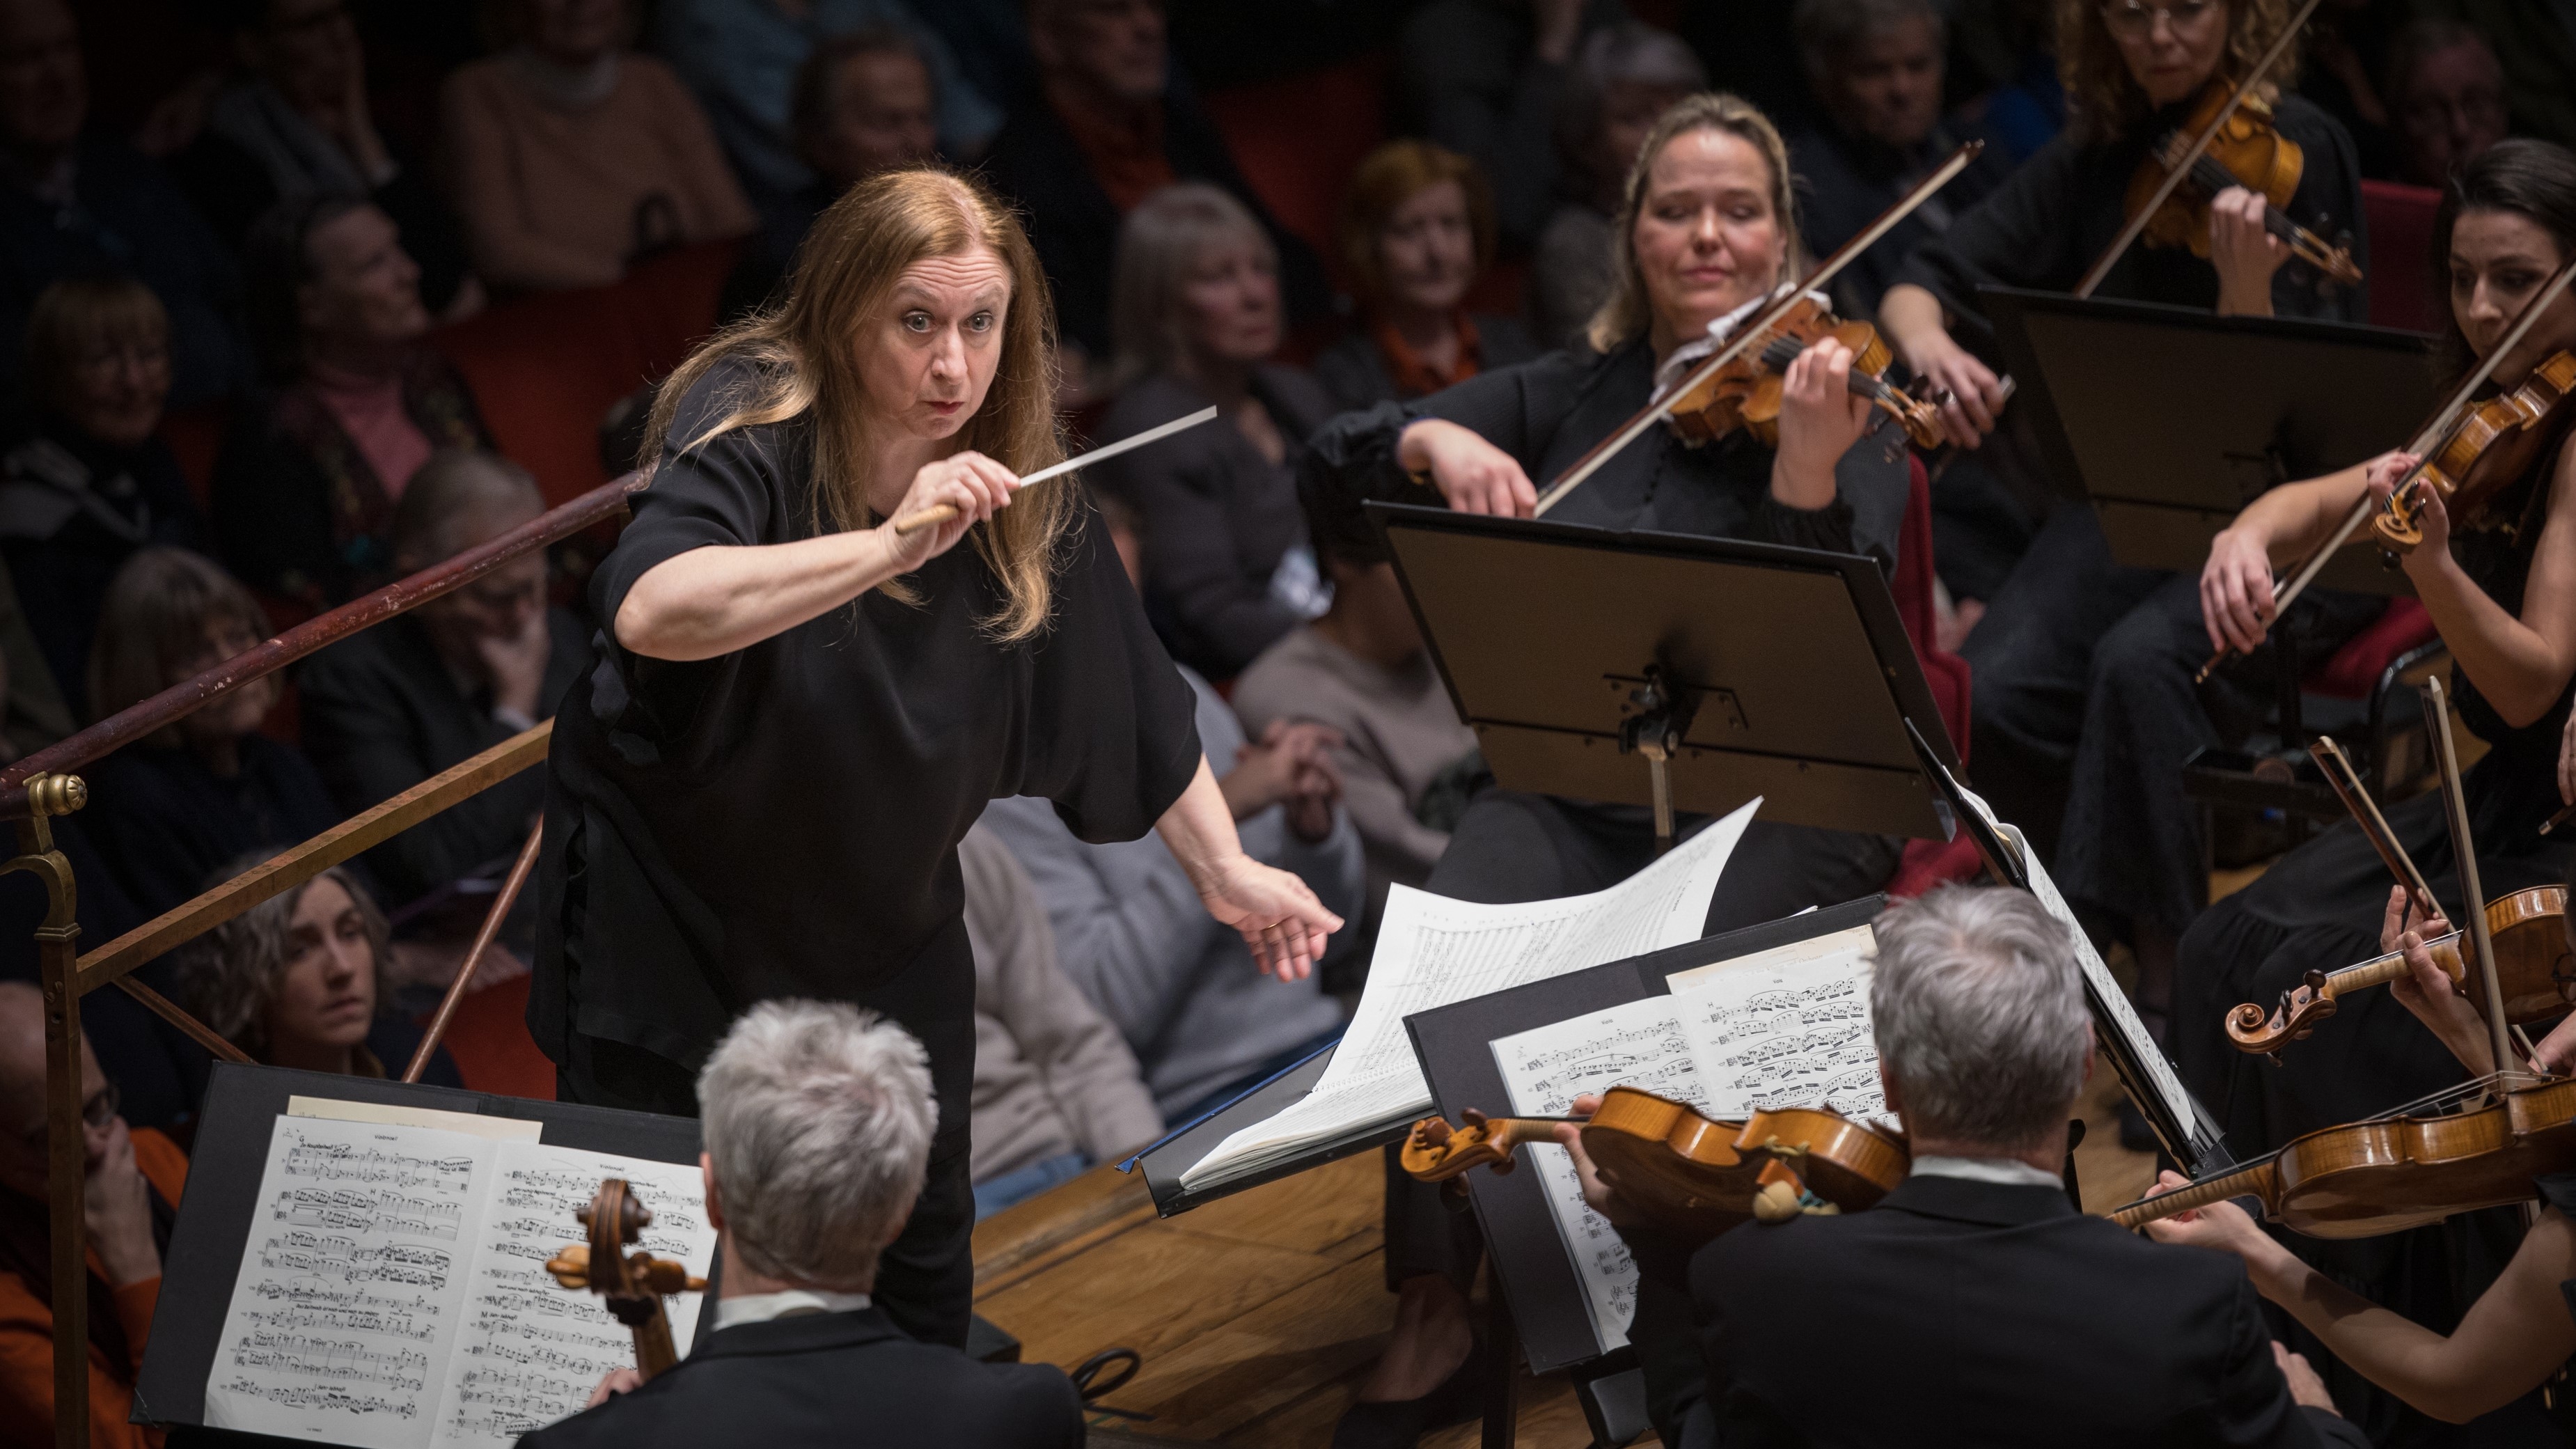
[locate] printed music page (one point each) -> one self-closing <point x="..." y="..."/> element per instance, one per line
<point x="1432" y="951"/>
<point x="1639" y="1044"/>
<point x="1788" y="1027"/>
<point x="351" y="1284"/>
<point x="393" y="1293"/>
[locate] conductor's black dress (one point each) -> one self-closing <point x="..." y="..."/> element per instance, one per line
<point x="782" y="821"/>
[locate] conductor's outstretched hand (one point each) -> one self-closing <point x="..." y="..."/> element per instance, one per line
<point x="1281" y="921"/>
<point x="974" y="485"/>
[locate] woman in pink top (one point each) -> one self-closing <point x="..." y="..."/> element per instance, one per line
<point x="571" y="156"/>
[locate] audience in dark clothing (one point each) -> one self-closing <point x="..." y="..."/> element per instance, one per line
<point x="1623" y="77"/>
<point x="169" y="809"/>
<point x="33" y="712"/>
<point x="2537" y="44"/>
<point x="864" y="103"/>
<point x="1109" y="125"/>
<point x="302" y="980"/>
<point x="2445" y="99"/>
<point x="1227" y="569"/>
<point x="76" y="201"/>
<point x="84" y="482"/>
<point x="395" y="705"/>
<point x="296" y="125"/>
<point x="1482" y="77"/>
<point x="1417" y="228"/>
<point x="570" y="158"/>
<point x="306" y="486"/>
<point x="1876" y="67"/>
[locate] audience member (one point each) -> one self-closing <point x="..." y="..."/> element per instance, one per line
<point x="2343" y="70"/>
<point x="1481" y="77"/>
<point x="817" y="1120"/>
<point x="1227" y="569"/>
<point x="1624" y="76"/>
<point x="1983" y="1047"/>
<point x="85" y="481"/>
<point x="741" y="57"/>
<point x="168" y="809"/>
<point x="297" y="125"/>
<point x="308" y="478"/>
<point x="1127" y="929"/>
<point x="2003" y="72"/>
<point x="2537" y="45"/>
<point x="390" y="707"/>
<point x="1876" y="69"/>
<point x="570" y="156"/>
<point x="1108" y="126"/>
<point x="301" y="980"/>
<point x="2446" y="99"/>
<point x="131" y="1189"/>
<point x="1361" y="671"/>
<point x="1417" y="227"/>
<point x="33" y="713"/>
<point x="864" y="103"/>
<point x="1056" y="1089"/>
<point x="75" y="201"/>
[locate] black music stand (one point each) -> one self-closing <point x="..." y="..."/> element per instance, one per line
<point x="1677" y="672"/>
<point x="2170" y="420"/>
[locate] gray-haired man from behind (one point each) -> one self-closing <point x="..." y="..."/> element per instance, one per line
<point x="1988" y="1309"/>
<point x="818" y="1119"/>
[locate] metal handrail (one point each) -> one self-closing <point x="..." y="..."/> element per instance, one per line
<point x="41" y="786"/>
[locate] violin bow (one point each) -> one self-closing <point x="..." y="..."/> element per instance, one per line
<point x="2199" y="147"/>
<point x="1757" y="327"/>
<point x="2426" y="445"/>
<point x="2347" y="785"/>
<point x="2464" y="851"/>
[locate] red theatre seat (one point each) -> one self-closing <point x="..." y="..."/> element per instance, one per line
<point x="2354" y="670"/>
<point x="489" y="1039"/>
<point x="1299" y="138"/>
<point x="2400" y="221"/>
<point x="194" y="437"/>
<point x="1927" y="863"/>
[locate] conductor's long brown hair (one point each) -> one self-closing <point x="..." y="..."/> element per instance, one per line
<point x="801" y="359"/>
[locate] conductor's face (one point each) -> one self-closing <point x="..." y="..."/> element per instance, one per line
<point x="928" y="356"/>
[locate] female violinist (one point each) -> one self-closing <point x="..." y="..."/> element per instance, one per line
<point x="2067" y="621"/>
<point x="2504" y="599"/>
<point x="1707" y="229"/>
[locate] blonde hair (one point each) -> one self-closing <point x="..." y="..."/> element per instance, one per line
<point x="2103" y="99"/>
<point x="155" y="618"/>
<point x="1387" y="178"/>
<point x="1628" y="311"/>
<point x="80" y="315"/>
<point x="1161" y="240"/>
<point x="800" y="359"/>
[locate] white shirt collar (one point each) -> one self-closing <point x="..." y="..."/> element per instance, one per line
<point x="2000" y="1170"/>
<point x="1684" y="357"/>
<point x="787" y="1303"/>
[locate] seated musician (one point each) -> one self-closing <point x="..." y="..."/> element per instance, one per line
<point x="2084" y="706"/>
<point x="1974" y="1304"/>
<point x="818" y="1119"/>
<point x="2516" y="1336"/>
<point x="1707" y="231"/>
<point x="2500" y="585"/>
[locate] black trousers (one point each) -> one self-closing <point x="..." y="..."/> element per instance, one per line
<point x="926" y="1277"/>
<point x="1511" y="846"/>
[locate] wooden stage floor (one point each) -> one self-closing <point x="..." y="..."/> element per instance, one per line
<point x="1258" y="1315"/>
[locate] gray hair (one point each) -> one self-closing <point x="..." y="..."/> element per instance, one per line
<point x="228" y="976"/>
<point x="818" y="1119"/>
<point x="456" y="484"/>
<point x="1161" y="240"/>
<point x="1828" y="30"/>
<point x="1979" y="1014"/>
<point x="1628" y="52"/>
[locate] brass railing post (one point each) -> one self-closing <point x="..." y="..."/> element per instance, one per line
<point x="66" y="1149"/>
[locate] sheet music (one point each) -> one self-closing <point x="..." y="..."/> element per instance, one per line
<point x="1787" y="1028"/>
<point x="1638" y="1044"/>
<point x="351" y="1285"/>
<point x="1432" y="951"/>
<point x="530" y="1352"/>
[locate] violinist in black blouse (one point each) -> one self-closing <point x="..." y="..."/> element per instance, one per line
<point x="1706" y="233"/>
<point x="2084" y="707"/>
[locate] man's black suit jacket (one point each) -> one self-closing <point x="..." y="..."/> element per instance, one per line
<point x="1963" y="1312"/>
<point x="844" y="1380"/>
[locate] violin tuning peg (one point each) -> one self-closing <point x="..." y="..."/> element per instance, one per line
<point x="1472" y="1117"/>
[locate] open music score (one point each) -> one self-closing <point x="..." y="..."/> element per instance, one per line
<point x="394" y="1296"/>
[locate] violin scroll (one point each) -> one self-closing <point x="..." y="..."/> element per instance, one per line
<point x="1434" y="1151"/>
<point x="2260" y="1033"/>
<point x="631" y="1286"/>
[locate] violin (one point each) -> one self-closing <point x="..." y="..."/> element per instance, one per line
<point x="1745" y="393"/>
<point x="2493" y="444"/>
<point x="2473" y="1146"/>
<point x="1688" y="1173"/>
<point x="632" y="1286"/>
<point x="2245" y="150"/>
